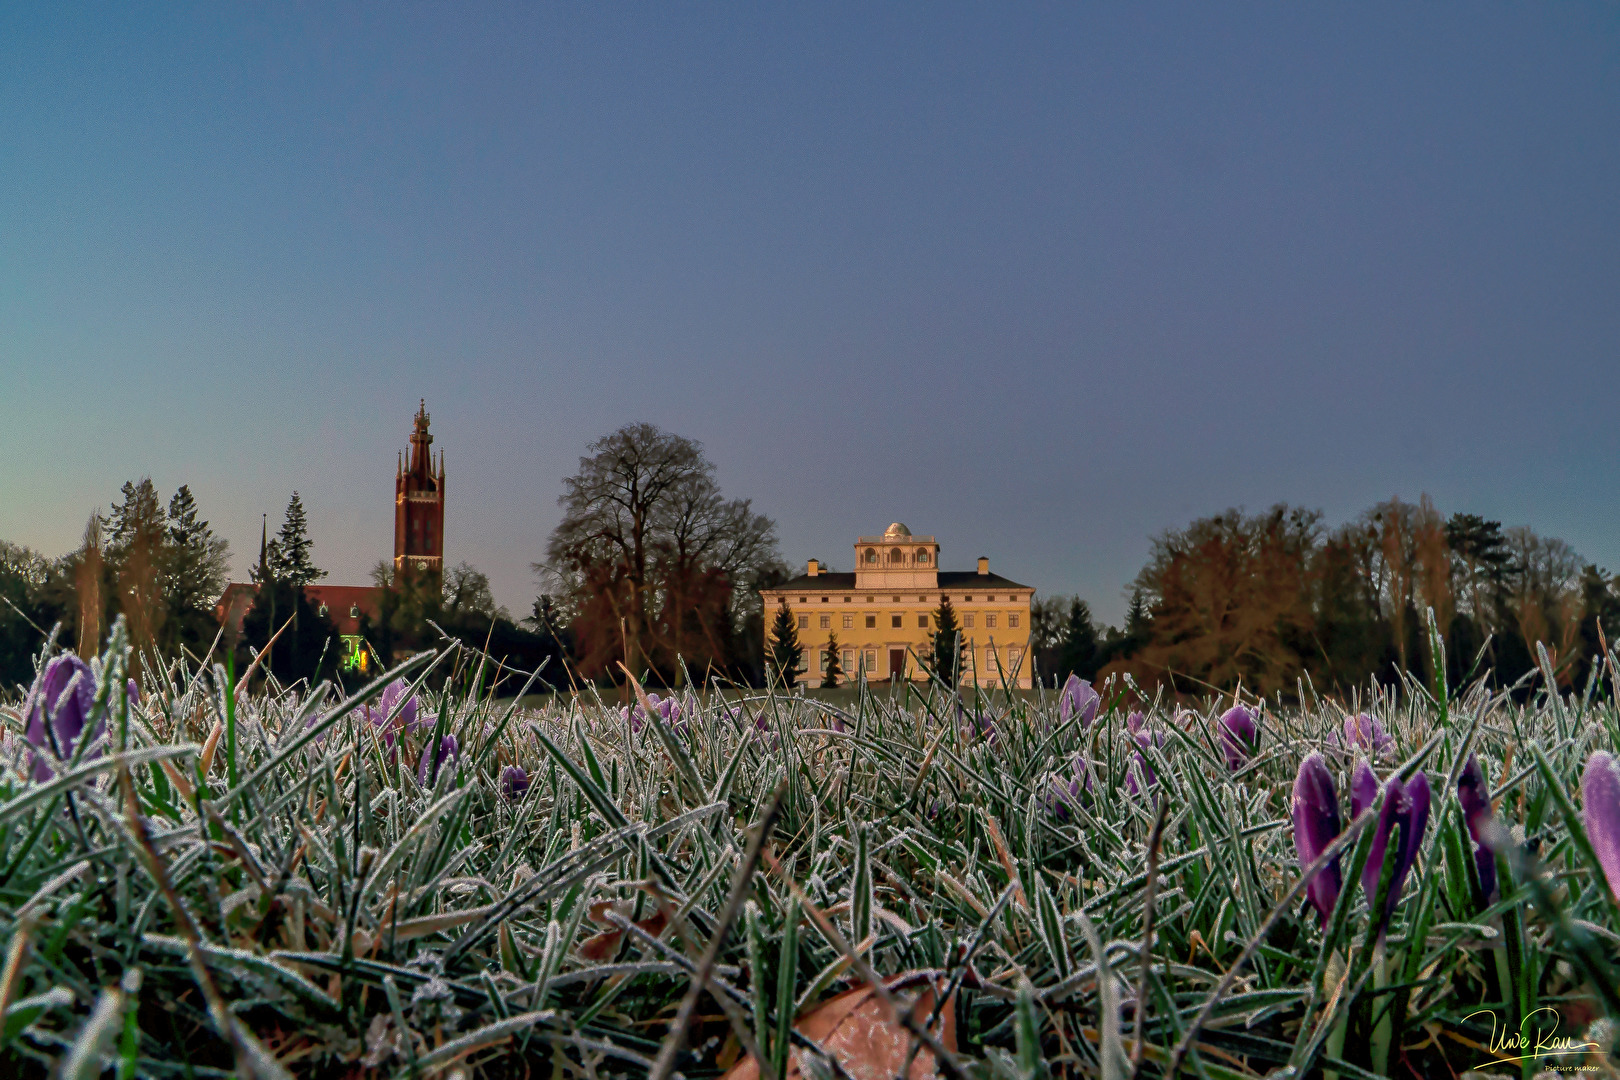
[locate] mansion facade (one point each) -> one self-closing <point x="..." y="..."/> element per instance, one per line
<point x="882" y="613"/>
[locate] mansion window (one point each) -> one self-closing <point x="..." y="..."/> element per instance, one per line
<point x="922" y="558"/>
<point x="826" y="621"/>
<point x="1012" y="620"/>
<point x="871" y="622"/>
<point x="1013" y="656"/>
<point x="849" y="621"/>
<point x="967" y="621"/>
<point x="871" y="660"/>
<point x="990" y="660"/>
<point x="990" y="620"/>
<point x="871" y="555"/>
<point x="849" y="660"/>
<point x="922" y="622"/>
<point x="894" y="621"/>
<point x="804" y="622"/>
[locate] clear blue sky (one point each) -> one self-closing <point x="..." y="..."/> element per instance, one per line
<point x="1041" y="280"/>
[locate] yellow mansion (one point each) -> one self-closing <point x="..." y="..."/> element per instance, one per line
<point x="883" y="612"/>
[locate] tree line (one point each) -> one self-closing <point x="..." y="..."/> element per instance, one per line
<point x="1271" y="599"/>
<point x="161" y="567"/>
<point x="655" y="570"/>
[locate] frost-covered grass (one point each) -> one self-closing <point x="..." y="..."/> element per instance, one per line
<point x="260" y="883"/>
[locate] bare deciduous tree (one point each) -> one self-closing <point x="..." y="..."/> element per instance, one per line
<point x="648" y="550"/>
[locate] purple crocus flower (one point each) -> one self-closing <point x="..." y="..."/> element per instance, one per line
<point x="134" y="693"/>
<point x="1066" y="795"/>
<point x="1406" y="805"/>
<point x="1078" y="699"/>
<point x="1239" y="736"/>
<point x="57" y="711"/>
<point x="1136" y="724"/>
<point x="1316" y="825"/>
<point x="1363" y="732"/>
<point x="1475" y="796"/>
<point x="514" y="782"/>
<point x="410" y="716"/>
<point x="1600" y="804"/>
<point x="435" y="758"/>
<point x="1062" y="798"/>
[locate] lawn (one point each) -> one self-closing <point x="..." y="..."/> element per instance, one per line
<point x="229" y="877"/>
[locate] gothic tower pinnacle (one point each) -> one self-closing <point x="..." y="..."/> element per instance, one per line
<point x="419" y="504"/>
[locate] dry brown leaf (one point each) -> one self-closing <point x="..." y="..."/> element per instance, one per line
<point x="858" y="1029"/>
<point x="599" y="947"/>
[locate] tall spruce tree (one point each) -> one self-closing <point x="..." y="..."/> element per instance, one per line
<point x="1077" y="654"/>
<point x="947" y="653"/>
<point x="137" y="548"/>
<point x="289" y="551"/>
<point x="831" y="669"/>
<point x="786" y="652"/>
<point x="194" y="570"/>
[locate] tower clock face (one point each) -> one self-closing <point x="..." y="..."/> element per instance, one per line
<point x="421" y="564"/>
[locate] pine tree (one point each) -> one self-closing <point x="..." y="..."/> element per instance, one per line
<point x="194" y="571"/>
<point x="948" y="653"/>
<point x="289" y="551"/>
<point x="1077" y="655"/>
<point x="831" y="670"/>
<point x="137" y="547"/>
<point x="786" y="652"/>
<point x="195" y="566"/>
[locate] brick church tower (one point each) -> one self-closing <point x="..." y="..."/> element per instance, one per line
<point x="419" y="506"/>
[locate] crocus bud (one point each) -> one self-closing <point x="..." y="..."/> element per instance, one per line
<point x="514" y="782"/>
<point x="1136" y="724"/>
<point x="1078" y="699"/>
<point x="1316" y="825"/>
<point x="1365" y="733"/>
<point x="1239" y="736"/>
<point x="1600" y="803"/>
<point x="436" y="758"/>
<point x="58" y="709"/>
<point x="1475" y="796"/>
<point x="1406" y="805"/>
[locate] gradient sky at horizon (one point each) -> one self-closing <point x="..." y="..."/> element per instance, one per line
<point x="1042" y="281"/>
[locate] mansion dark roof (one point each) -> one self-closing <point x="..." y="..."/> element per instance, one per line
<point x="949" y="581"/>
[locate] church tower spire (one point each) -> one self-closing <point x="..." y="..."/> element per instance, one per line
<point x="419" y="504"/>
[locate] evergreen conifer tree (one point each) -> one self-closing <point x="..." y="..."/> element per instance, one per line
<point x="786" y="652"/>
<point x="289" y="551"/>
<point x="194" y="570"/>
<point x="947" y="654"/>
<point x="1078" y="653"/>
<point x="832" y="669"/>
<point x="137" y="547"/>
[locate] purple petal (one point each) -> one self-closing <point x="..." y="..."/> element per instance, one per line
<point x="514" y="782"/>
<point x="65" y="695"/>
<point x="1239" y="736"/>
<point x="1315" y="811"/>
<point x="1474" y="794"/>
<point x="435" y="759"/>
<point x="1600" y="802"/>
<point x="1363" y="788"/>
<point x="1078" y="698"/>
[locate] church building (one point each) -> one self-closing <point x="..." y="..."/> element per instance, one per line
<point x="882" y="613"/>
<point x="418" y="549"/>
